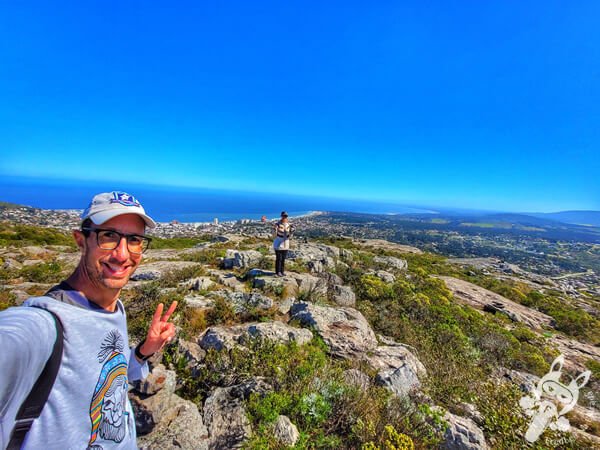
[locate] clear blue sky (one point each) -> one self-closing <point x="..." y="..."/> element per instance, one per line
<point x="474" y="104"/>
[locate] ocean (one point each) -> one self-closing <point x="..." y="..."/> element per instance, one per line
<point x="167" y="203"/>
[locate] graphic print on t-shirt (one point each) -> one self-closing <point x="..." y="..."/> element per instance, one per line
<point x="108" y="408"/>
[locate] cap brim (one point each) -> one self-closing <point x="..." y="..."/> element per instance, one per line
<point x="103" y="216"/>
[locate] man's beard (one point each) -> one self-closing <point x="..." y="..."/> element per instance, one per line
<point x="110" y="432"/>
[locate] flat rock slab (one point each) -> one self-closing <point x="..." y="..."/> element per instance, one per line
<point x="387" y="245"/>
<point x="222" y="337"/>
<point x="228" y="279"/>
<point x="482" y="299"/>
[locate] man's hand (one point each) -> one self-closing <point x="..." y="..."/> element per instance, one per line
<point x="160" y="332"/>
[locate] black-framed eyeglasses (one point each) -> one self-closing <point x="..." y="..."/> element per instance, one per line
<point x="110" y="239"/>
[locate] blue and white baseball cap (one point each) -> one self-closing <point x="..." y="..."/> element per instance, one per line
<point x="107" y="205"/>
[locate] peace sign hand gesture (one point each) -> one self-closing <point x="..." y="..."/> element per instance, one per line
<point x="160" y="332"/>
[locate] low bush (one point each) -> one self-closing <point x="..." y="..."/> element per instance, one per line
<point x="210" y="256"/>
<point x="176" y="276"/>
<point x="20" y="235"/>
<point x="7" y="299"/>
<point x="176" y="242"/>
<point x="50" y="272"/>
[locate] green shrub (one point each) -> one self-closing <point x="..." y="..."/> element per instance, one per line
<point x="50" y="272"/>
<point x="7" y="299"/>
<point x="504" y="422"/>
<point x="176" y="242"/>
<point x="208" y="256"/>
<point x="392" y="441"/>
<point x="221" y="313"/>
<point x="176" y="276"/>
<point x="20" y="235"/>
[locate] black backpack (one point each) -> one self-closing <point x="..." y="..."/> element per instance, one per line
<point x="34" y="403"/>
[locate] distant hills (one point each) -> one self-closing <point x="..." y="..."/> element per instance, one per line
<point x="587" y="218"/>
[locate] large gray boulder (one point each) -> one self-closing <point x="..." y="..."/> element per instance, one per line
<point x="386" y="357"/>
<point x="398" y="368"/>
<point x="226" y="419"/>
<point x="220" y="337"/>
<point x="159" y="378"/>
<point x="462" y="434"/>
<point x="279" y="332"/>
<point x="285" y="431"/>
<point x="285" y="287"/>
<point x="199" y="283"/>
<point x="241" y="259"/>
<point x="345" y="331"/>
<point x="230" y="280"/>
<point x="383" y="275"/>
<point x="166" y="421"/>
<point x="343" y="295"/>
<point x="332" y="279"/>
<point x="401" y="380"/>
<point x="244" y="302"/>
<point x="192" y="353"/>
<point x="318" y="257"/>
<point x="292" y="284"/>
<point x="391" y="262"/>
<point x="223" y="337"/>
<point x="198" y="301"/>
<point x="309" y="283"/>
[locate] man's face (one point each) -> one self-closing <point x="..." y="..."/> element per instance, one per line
<point x="111" y="268"/>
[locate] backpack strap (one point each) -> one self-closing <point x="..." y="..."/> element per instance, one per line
<point x="34" y="403"/>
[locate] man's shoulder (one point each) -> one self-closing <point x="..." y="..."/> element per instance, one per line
<point x="27" y="319"/>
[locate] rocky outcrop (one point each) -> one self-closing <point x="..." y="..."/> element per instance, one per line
<point x="157" y="269"/>
<point x="462" y="434"/>
<point x="223" y="337"/>
<point x="480" y="298"/>
<point x="310" y="284"/>
<point x="383" y="275"/>
<point x="401" y="381"/>
<point x="345" y="331"/>
<point x="158" y="379"/>
<point x="229" y="280"/>
<point x="192" y="353"/>
<point x="343" y="295"/>
<point x="391" y="262"/>
<point x="225" y="414"/>
<point x="279" y="331"/>
<point x="285" y="431"/>
<point x="241" y="259"/>
<point x="285" y="287"/>
<point x="165" y="420"/>
<point x="226" y="420"/>
<point x="293" y="284"/>
<point x="388" y="357"/>
<point x="387" y="245"/>
<point x="244" y="302"/>
<point x="199" y="283"/>
<point x="318" y="257"/>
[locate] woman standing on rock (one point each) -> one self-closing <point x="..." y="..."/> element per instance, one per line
<point x="283" y="231"/>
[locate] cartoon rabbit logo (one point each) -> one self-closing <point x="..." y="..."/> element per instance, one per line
<point x="544" y="412"/>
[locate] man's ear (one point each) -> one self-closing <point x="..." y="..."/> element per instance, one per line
<point x="79" y="239"/>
